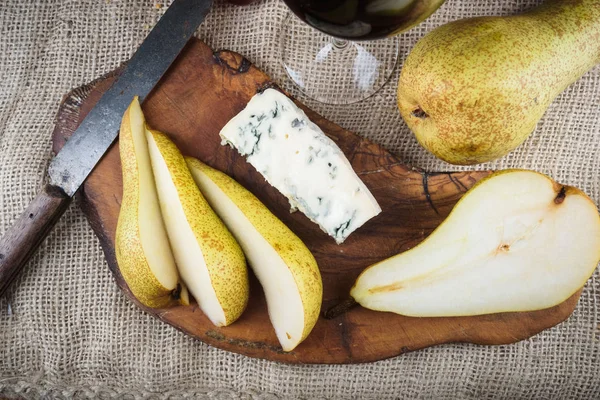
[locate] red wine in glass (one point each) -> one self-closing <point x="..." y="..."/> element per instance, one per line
<point x="351" y="67"/>
<point x="359" y="19"/>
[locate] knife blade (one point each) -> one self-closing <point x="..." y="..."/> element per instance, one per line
<point x="96" y="133"/>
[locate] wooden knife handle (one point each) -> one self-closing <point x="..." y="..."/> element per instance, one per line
<point x="22" y="239"/>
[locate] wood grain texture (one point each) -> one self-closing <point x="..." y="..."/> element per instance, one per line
<point x="23" y="238"/>
<point x="199" y="94"/>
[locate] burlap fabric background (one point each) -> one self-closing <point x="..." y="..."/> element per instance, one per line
<point x="65" y="329"/>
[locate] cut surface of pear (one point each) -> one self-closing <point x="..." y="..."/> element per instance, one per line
<point x="517" y="241"/>
<point x="282" y="263"/>
<point x="141" y="244"/>
<point x="210" y="261"/>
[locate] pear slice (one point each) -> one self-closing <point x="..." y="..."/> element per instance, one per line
<point x="284" y="266"/>
<point x="517" y="241"/>
<point x="210" y="261"/>
<point x="141" y="243"/>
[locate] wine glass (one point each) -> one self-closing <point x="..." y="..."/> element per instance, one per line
<point x="343" y="65"/>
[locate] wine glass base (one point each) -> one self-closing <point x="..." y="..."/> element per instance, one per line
<point x="335" y="71"/>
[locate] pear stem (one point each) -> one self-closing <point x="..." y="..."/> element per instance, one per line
<point x="340" y="308"/>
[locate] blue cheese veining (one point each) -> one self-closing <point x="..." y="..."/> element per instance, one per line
<point x="299" y="160"/>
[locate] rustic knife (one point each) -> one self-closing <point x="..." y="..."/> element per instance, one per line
<point x="71" y="166"/>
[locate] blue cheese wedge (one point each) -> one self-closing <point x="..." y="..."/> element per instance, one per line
<point x="298" y="159"/>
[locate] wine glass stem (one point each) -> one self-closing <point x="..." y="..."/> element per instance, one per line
<point x="339" y="44"/>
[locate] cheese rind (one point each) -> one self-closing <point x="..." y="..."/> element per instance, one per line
<point x="298" y="159"/>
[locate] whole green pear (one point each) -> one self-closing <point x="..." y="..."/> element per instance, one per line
<point x="473" y="90"/>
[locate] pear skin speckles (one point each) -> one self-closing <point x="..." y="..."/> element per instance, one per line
<point x="290" y="248"/>
<point x="222" y="254"/>
<point x="474" y="89"/>
<point x="131" y="258"/>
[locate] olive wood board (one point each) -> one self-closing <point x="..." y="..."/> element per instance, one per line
<point x="200" y="93"/>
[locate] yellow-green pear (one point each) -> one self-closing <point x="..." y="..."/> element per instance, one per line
<point x="284" y="266"/>
<point x="517" y="241"/>
<point x="474" y="89"/>
<point x="141" y="243"/>
<point x="210" y="261"/>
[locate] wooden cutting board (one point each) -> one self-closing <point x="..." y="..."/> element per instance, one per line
<point x="199" y="94"/>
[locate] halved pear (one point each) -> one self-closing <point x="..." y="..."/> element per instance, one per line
<point x="210" y="261"/>
<point x="141" y="244"/>
<point x="517" y="241"/>
<point x="284" y="266"/>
